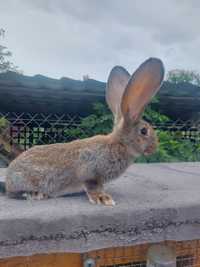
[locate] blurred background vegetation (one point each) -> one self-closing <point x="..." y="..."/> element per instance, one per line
<point x="171" y="147"/>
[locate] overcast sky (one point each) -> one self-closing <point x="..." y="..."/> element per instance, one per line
<point x="71" y="38"/>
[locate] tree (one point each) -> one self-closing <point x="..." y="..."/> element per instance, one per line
<point x="180" y="75"/>
<point x="86" y="77"/>
<point x="5" y="64"/>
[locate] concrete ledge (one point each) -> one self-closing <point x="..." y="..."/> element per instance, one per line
<point x="155" y="202"/>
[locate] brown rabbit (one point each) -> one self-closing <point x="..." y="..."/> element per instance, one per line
<point x="54" y="170"/>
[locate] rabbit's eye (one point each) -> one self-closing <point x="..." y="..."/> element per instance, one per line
<point x="144" y="131"/>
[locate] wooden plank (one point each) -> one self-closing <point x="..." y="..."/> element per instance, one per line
<point x="119" y="255"/>
<point x="107" y="257"/>
<point x="189" y="252"/>
<point x="45" y="260"/>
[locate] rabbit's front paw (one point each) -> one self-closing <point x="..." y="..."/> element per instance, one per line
<point x="100" y="198"/>
<point x="35" y="196"/>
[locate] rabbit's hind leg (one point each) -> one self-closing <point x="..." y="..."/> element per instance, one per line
<point x="96" y="195"/>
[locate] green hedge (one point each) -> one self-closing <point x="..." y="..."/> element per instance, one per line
<point x="171" y="147"/>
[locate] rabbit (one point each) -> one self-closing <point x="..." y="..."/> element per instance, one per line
<point x="48" y="171"/>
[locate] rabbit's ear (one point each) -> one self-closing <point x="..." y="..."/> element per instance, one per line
<point x="117" y="82"/>
<point x="142" y="86"/>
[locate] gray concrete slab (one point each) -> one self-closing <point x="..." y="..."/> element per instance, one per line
<point x="155" y="202"/>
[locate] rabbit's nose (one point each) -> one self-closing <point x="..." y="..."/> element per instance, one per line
<point x="150" y="149"/>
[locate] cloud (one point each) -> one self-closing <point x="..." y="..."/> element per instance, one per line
<point x="73" y="38"/>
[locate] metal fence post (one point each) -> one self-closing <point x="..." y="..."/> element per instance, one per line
<point x="161" y="256"/>
<point x="89" y="263"/>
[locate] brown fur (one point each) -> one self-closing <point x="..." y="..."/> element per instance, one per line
<point x="57" y="169"/>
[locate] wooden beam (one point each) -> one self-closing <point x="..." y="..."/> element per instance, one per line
<point x="45" y="260"/>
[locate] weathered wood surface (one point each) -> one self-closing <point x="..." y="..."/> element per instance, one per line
<point x="48" y="260"/>
<point x="180" y="101"/>
<point x="187" y="253"/>
<point x="40" y="94"/>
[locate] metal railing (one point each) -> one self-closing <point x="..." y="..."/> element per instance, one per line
<point x="26" y="130"/>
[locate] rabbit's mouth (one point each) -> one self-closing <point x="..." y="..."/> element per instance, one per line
<point x="149" y="150"/>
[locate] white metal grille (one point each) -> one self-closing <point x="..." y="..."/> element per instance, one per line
<point x="187" y="255"/>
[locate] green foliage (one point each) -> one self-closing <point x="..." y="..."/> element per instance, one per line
<point x="177" y="76"/>
<point x="100" y="122"/>
<point x="171" y="147"/>
<point x="5" y="64"/>
<point x="154" y="117"/>
<point x="3" y="123"/>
